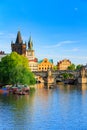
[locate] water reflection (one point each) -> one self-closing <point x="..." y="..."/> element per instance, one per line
<point x="40" y="85"/>
<point x="70" y="88"/>
<point x="83" y="88"/>
<point x="63" y="107"/>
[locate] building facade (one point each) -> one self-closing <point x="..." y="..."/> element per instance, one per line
<point x="30" y="54"/>
<point x="45" y="64"/>
<point x="19" y="46"/>
<point x="64" y="64"/>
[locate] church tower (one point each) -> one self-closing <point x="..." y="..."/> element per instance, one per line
<point x="19" y="46"/>
<point x="30" y="44"/>
<point x="30" y="54"/>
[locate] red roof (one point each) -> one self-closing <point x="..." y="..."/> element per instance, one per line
<point x="34" y="60"/>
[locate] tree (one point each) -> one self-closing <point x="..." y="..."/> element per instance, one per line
<point x="65" y="75"/>
<point x="78" y="67"/>
<point x="72" y="67"/>
<point x="55" y="67"/>
<point x="71" y="76"/>
<point x="14" y="69"/>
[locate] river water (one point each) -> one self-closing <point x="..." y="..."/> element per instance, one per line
<point x="61" y="108"/>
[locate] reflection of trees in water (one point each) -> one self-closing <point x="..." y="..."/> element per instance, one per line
<point x="21" y="108"/>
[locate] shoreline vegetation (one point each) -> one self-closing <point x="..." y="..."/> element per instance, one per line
<point x="15" y="73"/>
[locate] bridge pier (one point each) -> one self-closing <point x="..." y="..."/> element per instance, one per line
<point x="82" y="79"/>
<point x="49" y="82"/>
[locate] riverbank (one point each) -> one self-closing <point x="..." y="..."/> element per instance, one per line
<point x="19" y="90"/>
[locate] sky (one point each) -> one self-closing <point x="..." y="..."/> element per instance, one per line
<point x="58" y="27"/>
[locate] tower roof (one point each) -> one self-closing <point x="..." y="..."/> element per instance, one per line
<point x="19" y="38"/>
<point x="30" y="44"/>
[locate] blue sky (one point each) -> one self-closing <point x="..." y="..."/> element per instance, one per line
<point x="58" y="27"/>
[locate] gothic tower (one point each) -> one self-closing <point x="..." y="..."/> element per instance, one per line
<point x="30" y="52"/>
<point x="19" y="46"/>
<point x="30" y="44"/>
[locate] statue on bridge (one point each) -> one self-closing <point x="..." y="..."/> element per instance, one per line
<point x="49" y="73"/>
<point x="50" y="78"/>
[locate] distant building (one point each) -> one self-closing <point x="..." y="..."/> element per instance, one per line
<point x="45" y="64"/>
<point x="2" y="54"/>
<point x="64" y="64"/>
<point x="19" y="46"/>
<point x="30" y="54"/>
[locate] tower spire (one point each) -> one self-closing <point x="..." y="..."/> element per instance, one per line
<point x="19" y="38"/>
<point x="30" y="44"/>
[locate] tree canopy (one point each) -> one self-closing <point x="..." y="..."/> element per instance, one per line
<point x="72" y="67"/>
<point x="78" y="67"/>
<point x="55" y="67"/>
<point x="14" y="69"/>
<point x="67" y="76"/>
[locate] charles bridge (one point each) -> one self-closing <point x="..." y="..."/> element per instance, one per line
<point x="51" y="77"/>
<point x="57" y="75"/>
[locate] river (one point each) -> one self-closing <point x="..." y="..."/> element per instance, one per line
<point x="61" y="108"/>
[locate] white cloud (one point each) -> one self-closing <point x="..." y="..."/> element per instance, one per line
<point x="61" y="44"/>
<point x="72" y="50"/>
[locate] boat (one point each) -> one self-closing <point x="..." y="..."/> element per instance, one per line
<point x="4" y="90"/>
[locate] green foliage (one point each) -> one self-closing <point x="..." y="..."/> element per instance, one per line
<point x="71" y="76"/>
<point x="14" y="70"/>
<point x="67" y="76"/>
<point x="72" y="67"/>
<point x="55" y="67"/>
<point x="78" y="67"/>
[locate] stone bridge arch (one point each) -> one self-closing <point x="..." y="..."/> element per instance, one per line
<point x="58" y="78"/>
<point x="57" y="75"/>
<point x="39" y="79"/>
